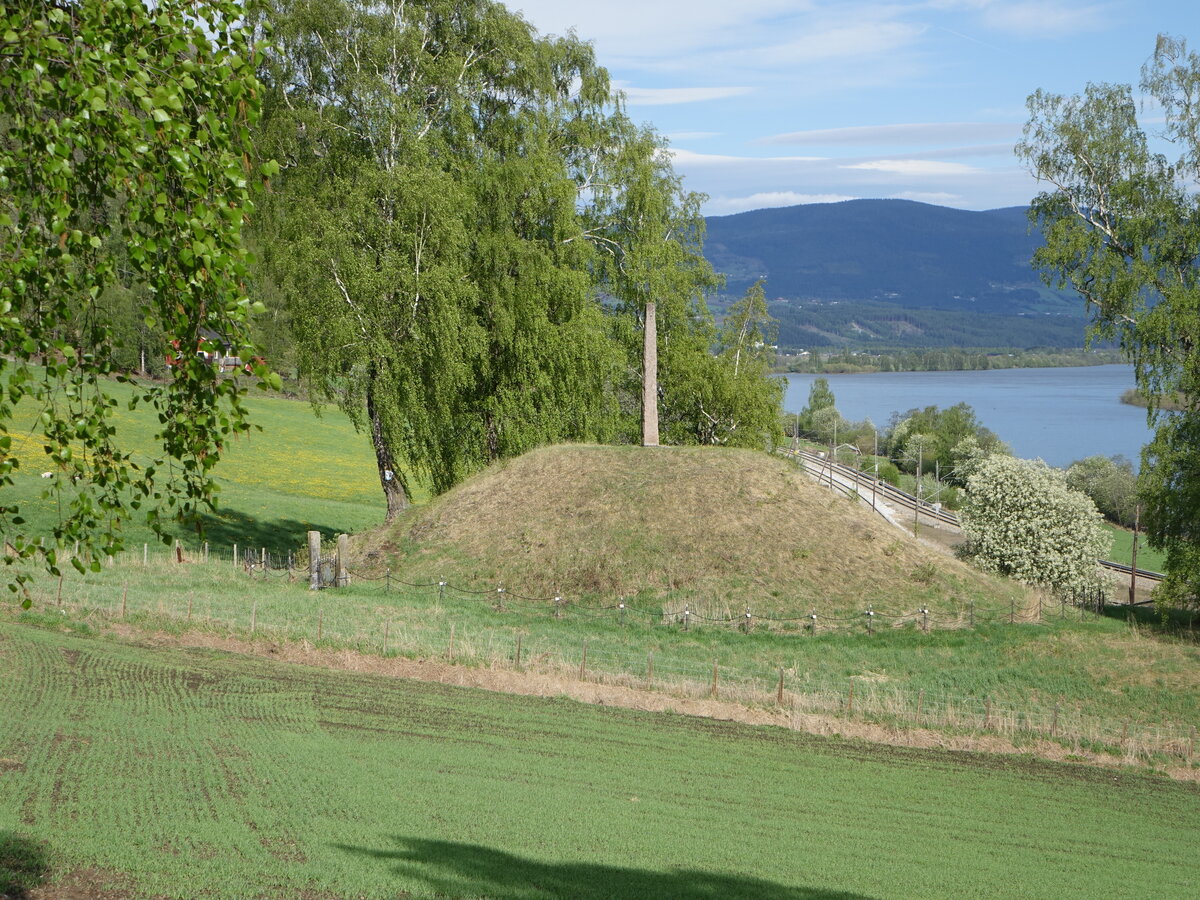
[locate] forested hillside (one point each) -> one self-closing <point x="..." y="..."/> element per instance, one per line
<point x="894" y="273"/>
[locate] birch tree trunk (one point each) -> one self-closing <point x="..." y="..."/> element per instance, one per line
<point x="389" y="478"/>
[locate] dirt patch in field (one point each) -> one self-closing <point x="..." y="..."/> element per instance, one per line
<point x="538" y="684"/>
<point x="83" y="884"/>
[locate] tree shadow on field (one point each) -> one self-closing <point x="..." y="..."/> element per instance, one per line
<point x="24" y="864"/>
<point x="468" y="870"/>
<point x="231" y="526"/>
<point x="1181" y="624"/>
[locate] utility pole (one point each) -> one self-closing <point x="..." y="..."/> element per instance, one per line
<point x="1137" y="522"/>
<point x="876" y="457"/>
<point x="917" y="505"/>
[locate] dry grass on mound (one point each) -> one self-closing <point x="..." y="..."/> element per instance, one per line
<point x="722" y="528"/>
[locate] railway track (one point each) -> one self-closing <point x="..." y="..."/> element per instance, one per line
<point x="838" y="474"/>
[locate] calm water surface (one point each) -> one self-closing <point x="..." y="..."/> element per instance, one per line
<point x="1060" y="415"/>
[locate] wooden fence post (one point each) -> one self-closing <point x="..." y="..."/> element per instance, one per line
<point x="518" y="649"/>
<point x="314" y="560"/>
<point x="320" y="622"/>
<point x="343" y="557"/>
<point x="779" y="690"/>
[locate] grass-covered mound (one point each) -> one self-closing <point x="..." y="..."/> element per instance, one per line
<point x="720" y="528"/>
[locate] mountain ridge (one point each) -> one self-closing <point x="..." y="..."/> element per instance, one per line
<point x="899" y="265"/>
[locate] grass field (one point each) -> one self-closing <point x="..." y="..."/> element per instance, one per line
<point x="298" y="473"/>
<point x="1096" y="668"/>
<point x="1122" y="550"/>
<point x="186" y="773"/>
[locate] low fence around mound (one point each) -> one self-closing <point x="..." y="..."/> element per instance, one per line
<point x="862" y="698"/>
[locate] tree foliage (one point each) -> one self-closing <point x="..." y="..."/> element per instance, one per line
<point x="950" y="439"/>
<point x="1122" y="227"/>
<point x="427" y="231"/>
<point x="725" y="398"/>
<point x="121" y="123"/>
<point x="820" y="397"/>
<point x="1022" y="520"/>
<point x="466" y="228"/>
<point x="1111" y="483"/>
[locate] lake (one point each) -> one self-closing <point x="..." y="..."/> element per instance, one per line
<point x="1060" y="414"/>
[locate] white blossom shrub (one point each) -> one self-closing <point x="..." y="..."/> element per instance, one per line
<point x="1022" y="520"/>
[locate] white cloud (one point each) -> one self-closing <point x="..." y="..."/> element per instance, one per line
<point x="1046" y="20"/>
<point x="853" y="40"/>
<point x="907" y="134"/>
<point x="766" y="199"/>
<point x="692" y="135"/>
<point x="672" y="96"/>
<point x="648" y="30"/>
<point x="691" y="158"/>
<point x="940" y="198"/>
<point x="915" y="167"/>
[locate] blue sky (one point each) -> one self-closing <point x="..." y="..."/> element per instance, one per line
<point x="779" y="102"/>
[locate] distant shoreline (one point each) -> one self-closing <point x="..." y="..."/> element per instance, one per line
<point x="1134" y="397"/>
<point x="946" y="360"/>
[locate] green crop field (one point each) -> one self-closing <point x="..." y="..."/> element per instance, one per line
<point x="195" y="773"/>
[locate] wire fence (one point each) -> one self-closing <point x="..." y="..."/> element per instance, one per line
<point x="265" y="564"/>
<point x="382" y="630"/>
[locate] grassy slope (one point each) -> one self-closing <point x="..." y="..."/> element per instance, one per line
<point x="190" y="772"/>
<point x="298" y="473"/>
<point x="721" y="529"/>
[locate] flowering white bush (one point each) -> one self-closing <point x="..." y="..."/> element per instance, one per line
<point x="1022" y="520"/>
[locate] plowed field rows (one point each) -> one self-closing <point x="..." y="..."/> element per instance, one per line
<point x="190" y="773"/>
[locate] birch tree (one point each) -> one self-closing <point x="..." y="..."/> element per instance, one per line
<point x="127" y="122"/>
<point x="427" y="233"/>
<point x="1122" y="227"/>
